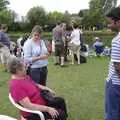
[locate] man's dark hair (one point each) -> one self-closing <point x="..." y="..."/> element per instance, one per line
<point x="75" y="25"/>
<point x="114" y="14"/>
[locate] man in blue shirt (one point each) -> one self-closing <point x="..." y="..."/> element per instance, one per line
<point x="4" y="39"/>
<point x="112" y="96"/>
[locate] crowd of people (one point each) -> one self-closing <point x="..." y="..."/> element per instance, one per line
<point x="29" y="73"/>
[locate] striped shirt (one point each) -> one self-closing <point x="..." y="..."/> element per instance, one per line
<point x="115" y="57"/>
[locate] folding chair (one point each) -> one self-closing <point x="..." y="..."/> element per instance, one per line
<point x="5" y="117"/>
<point x="25" y="109"/>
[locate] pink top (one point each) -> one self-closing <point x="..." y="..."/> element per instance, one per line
<point x="21" y="88"/>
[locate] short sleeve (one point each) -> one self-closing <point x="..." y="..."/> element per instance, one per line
<point x="115" y="53"/>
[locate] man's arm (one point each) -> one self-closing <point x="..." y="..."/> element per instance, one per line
<point x="117" y="67"/>
<point x="4" y="39"/>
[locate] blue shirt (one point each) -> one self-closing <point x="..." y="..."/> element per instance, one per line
<point x="115" y="57"/>
<point x="4" y="39"/>
<point x="31" y="49"/>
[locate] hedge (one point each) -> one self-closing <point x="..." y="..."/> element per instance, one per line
<point x="106" y="37"/>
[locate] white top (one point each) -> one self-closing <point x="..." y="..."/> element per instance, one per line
<point x="75" y="37"/>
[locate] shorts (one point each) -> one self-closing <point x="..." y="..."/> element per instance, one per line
<point x="59" y="50"/>
<point x="73" y="47"/>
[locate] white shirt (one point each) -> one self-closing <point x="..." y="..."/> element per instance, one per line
<point x="75" y="37"/>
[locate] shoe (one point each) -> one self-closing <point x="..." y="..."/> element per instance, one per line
<point x="63" y="65"/>
<point x="57" y="64"/>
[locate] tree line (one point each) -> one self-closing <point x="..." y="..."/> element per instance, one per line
<point x="87" y="18"/>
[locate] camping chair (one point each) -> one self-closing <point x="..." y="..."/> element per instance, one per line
<point x="4" y="117"/>
<point x="25" y="109"/>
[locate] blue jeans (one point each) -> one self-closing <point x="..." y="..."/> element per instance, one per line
<point x="112" y="101"/>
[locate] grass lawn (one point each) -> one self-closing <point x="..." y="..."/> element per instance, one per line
<point x="81" y="85"/>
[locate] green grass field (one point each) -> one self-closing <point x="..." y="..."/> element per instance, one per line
<point x="81" y="85"/>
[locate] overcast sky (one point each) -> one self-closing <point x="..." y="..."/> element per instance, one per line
<point x="21" y="7"/>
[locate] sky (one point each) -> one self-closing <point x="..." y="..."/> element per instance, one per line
<point x="21" y="7"/>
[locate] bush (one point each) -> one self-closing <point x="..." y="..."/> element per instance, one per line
<point x="88" y="36"/>
<point x="106" y="37"/>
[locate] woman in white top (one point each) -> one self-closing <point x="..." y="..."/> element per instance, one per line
<point x="74" y="44"/>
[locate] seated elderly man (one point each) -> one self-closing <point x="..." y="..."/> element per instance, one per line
<point x="28" y="94"/>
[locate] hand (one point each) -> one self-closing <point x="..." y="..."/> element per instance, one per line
<point x="44" y="57"/>
<point x="47" y="53"/>
<point x="53" y="112"/>
<point x="45" y="88"/>
<point x="50" y="90"/>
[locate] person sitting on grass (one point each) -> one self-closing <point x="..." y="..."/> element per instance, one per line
<point x="98" y="46"/>
<point x="28" y="94"/>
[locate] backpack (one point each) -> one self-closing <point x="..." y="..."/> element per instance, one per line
<point x="83" y="48"/>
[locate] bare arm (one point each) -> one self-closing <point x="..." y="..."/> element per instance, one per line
<point x="117" y="67"/>
<point x="27" y="104"/>
<point x="45" y="88"/>
<point x="40" y="57"/>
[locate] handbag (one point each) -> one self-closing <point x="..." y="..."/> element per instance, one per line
<point x="47" y="96"/>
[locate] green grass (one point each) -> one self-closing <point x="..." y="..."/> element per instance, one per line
<point x="81" y="85"/>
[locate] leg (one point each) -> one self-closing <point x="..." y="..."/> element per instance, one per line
<point x="57" y="54"/>
<point x="72" y="56"/>
<point x="62" y="54"/>
<point x="112" y="102"/>
<point x="35" y="74"/>
<point x="43" y="75"/>
<point x="78" y="55"/>
<point x="60" y="105"/>
<point x="33" y="117"/>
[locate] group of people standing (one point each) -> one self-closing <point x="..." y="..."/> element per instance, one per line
<point x="26" y="90"/>
<point x="64" y="37"/>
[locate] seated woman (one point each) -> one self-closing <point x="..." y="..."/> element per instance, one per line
<point x="98" y="46"/>
<point x="28" y="93"/>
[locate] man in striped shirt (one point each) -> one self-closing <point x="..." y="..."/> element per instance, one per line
<point x="112" y="96"/>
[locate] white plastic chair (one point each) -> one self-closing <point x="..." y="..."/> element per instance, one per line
<point x="25" y="109"/>
<point x="4" y="117"/>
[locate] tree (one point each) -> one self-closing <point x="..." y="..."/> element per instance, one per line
<point x="52" y="19"/>
<point x="97" y="11"/>
<point x="66" y="17"/>
<point x="3" y="4"/>
<point x="6" y="16"/>
<point x="102" y="6"/>
<point x="81" y="14"/>
<point x="36" y="15"/>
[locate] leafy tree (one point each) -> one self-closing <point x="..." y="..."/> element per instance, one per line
<point x="3" y="4"/>
<point x="81" y="14"/>
<point x="6" y="16"/>
<point x="102" y="6"/>
<point x="52" y="19"/>
<point x="37" y="15"/>
<point x="97" y="11"/>
<point x="66" y="17"/>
